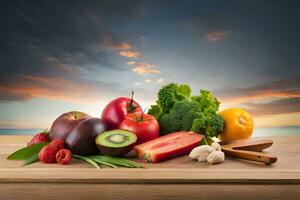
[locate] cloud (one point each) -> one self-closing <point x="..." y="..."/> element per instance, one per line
<point x="58" y="56"/>
<point x="148" y="80"/>
<point x="131" y="63"/>
<point x="143" y="68"/>
<point x="154" y="81"/>
<point x="137" y="83"/>
<point x="216" y="36"/>
<point x="124" y="48"/>
<point x="272" y="98"/>
<point x="26" y="87"/>
<point x="160" y="80"/>
<point x="282" y="106"/>
<point x="278" y="120"/>
<point x="281" y="88"/>
<point x="130" y="54"/>
<point x="278" y="71"/>
<point x="59" y="64"/>
<point x="117" y="46"/>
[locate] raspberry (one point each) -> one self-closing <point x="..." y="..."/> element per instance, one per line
<point x="63" y="156"/>
<point x="58" y="144"/>
<point x="40" y="137"/>
<point x="47" y="154"/>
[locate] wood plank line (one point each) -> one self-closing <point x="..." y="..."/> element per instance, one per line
<point x="147" y="191"/>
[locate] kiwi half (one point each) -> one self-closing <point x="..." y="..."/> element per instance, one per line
<point x="116" y="142"/>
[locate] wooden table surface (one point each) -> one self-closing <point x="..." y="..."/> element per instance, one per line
<point x="178" y="178"/>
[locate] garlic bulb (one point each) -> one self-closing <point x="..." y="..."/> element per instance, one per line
<point x="216" y="146"/>
<point x="216" y="157"/>
<point x="197" y="151"/>
<point x="202" y="157"/>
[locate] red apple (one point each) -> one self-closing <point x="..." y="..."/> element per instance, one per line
<point x="115" y="112"/>
<point x="65" y="123"/>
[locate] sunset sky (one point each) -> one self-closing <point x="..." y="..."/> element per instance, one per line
<point x="58" y="56"/>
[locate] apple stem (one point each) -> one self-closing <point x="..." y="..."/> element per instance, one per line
<point x="75" y="115"/>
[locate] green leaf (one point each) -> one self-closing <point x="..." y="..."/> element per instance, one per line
<point x="118" y="161"/>
<point x="86" y="159"/>
<point x="33" y="158"/>
<point x="156" y="111"/>
<point x="26" y="152"/>
<point x="125" y="161"/>
<point x="46" y="131"/>
<point x="104" y="163"/>
<point x="110" y="161"/>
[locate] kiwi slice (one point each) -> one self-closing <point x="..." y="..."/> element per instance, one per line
<point x="116" y="142"/>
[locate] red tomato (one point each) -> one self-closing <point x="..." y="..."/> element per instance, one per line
<point x="145" y="126"/>
<point x="116" y="111"/>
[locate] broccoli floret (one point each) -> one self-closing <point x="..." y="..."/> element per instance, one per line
<point x="184" y="90"/>
<point x="172" y="93"/>
<point x="214" y="125"/>
<point x="208" y="102"/>
<point x="180" y="117"/>
<point x="210" y="125"/>
<point x="177" y="110"/>
<point x="187" y="115"/>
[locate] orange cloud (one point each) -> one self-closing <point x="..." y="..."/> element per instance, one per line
<point x="130" y="54"/>
<point x="281" y="89"/>
<point x="270" y="103"/>
<point x="260" y="96"/>
<point x="281" y="106"/>
<point x="216" y="36"/>
<point x="143" y="68"/>
<point x="120" y="46"/>
<point x="131" y="63"/>
<point x="279" y="120"/>
<point x="52" y="88"/>
<point x="108" y="42"/>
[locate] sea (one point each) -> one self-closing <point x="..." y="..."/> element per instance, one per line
<point x="258" y="132"/>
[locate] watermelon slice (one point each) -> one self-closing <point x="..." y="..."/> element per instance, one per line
<point x="168" y="146"/>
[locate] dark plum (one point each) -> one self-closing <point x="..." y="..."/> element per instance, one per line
<point x="81" y="140"/>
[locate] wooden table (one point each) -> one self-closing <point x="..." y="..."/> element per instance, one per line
<point x="179" y="178"/>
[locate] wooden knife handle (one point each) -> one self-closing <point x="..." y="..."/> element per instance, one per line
<point x="250" y="155"/>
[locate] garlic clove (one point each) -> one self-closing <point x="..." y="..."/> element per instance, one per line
<point x="200" y="149"/>
<point x="216" y="157"/>
<point x="216" y="146"/>
<point x="202" y="157"/>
